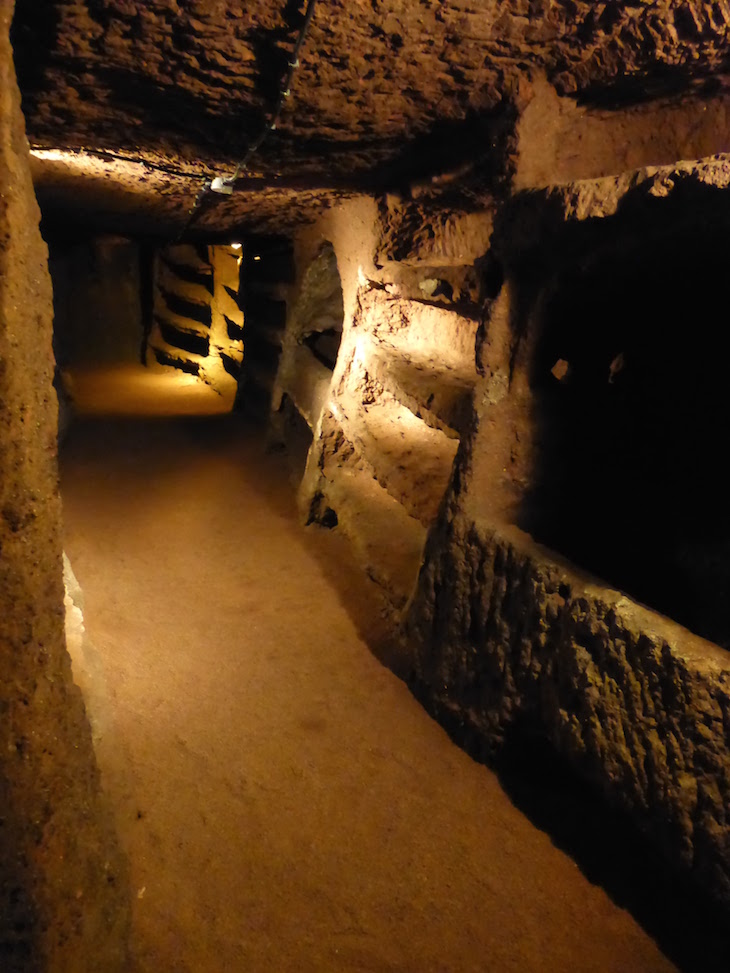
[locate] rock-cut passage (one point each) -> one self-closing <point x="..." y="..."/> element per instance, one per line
<point x="285" y="803"/>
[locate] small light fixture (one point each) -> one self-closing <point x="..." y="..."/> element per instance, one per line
<point x="222" y="186"/>
<point x="236" y="246"/>
<point x="257" y="257"/>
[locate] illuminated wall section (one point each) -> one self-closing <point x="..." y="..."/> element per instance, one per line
<point x="386" y="409"/>
<point x="390" y="429"/>
<point x="590" y="494"/>
<point x="197" y="322"/>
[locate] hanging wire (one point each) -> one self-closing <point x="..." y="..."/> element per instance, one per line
<point x="223" y="185"/>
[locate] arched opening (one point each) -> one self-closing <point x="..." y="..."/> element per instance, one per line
<point x="311" y="341"/>
<point x="320" y="311"/>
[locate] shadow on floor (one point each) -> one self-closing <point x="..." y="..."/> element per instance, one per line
<point x="611" y="853"/>
<point x="604" y="845"/>
<point x="609" y="850"/>
<point x="691" y="930"/>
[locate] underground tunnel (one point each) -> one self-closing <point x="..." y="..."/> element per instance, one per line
<point x="363" y="533"/>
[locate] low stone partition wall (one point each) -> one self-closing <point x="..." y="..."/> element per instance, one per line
<point x="505" y="632"/>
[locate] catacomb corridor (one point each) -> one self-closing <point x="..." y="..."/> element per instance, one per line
<point x="364" y="536"/>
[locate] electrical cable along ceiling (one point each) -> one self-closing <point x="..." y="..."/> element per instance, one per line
<point x="133" y="109"/>
<point x="225" y="185"/>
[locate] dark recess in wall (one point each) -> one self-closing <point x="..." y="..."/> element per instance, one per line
<point x="267" y="267"/>
<point x="187" y="309"/>
<point x="231" y="365"/>
<point x="325" y="346"/>
<point x="320" y="310"/>
<point x="182" y="364"/>
<point x="33" y="33"/>
<point x="190" y="274"/>
<point x="235" y="333"/>
<point x="629" y="481"/>
<point x="185" y="340"/>
<point x="294" y="435"/>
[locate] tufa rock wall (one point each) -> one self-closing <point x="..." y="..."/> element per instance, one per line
<point x="506" y="634"/>
<point x="96" y="301"/>
<point x="63" y="904"/>
<point x="386" y="420"/>
<point x="509" y="635"/>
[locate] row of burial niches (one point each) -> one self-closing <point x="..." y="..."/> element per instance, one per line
<point x="176" y="309"/>
<point x="630" y="414"/>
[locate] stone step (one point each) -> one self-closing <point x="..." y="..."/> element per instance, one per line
<point x="408" y="457"/>
<point x="306" y="382"/>
<point x="180" y="275"/>
<point x="386" y="541"/>
<point x="435" y="391"/>
<point x="163" y="313"/>
<point x="195" y="258"/>
<point x="185" y="338"/>
<point x="161" y="353"/>
<point x="424" y="331"/>
<point x="196" y="312"/>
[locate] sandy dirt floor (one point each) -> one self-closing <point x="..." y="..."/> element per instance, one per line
<point x="284" y="802"/>
<point x="129" y="389"/>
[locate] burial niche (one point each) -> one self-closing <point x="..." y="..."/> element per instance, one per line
<point x="632" y="411"/>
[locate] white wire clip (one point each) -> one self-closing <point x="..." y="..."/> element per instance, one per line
<point x="222" y="186"/>
<point x="294" y="64"/>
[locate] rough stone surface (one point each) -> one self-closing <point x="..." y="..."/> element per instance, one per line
<point x="650" y="200"/>
<point x="145" y="197"/>
<point x="96" y="300"/>
<point x="509" y="635"/>
<point x="370" y="69"/>
<point x="560" y="141"/>
<point x="387" y="422"/>
<point x="62" y="885"/>
<point x="314" y="321"/>
<point x="413" y="236"/>
<point x="148" y="101"/>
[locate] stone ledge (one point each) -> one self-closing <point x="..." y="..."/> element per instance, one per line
<point x="505" y="632"/>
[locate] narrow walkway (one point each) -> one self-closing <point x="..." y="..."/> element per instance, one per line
<point x="286" y="806"/>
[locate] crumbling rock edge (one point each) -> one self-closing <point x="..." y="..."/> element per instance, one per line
<point x="503" y="632"/>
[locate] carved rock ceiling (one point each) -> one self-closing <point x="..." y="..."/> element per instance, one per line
<point x="136" y="104"/>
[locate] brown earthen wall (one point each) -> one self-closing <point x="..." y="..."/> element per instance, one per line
<point x="97" y="301"/>
<point x="508" y="634"/>
<point x="62" y="883"/>
<point x="560" y="141"/>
